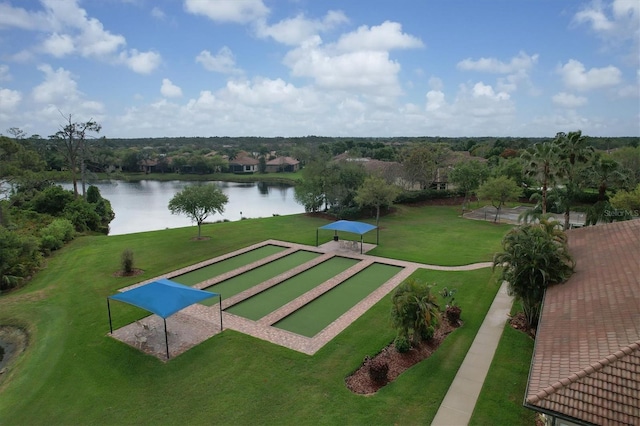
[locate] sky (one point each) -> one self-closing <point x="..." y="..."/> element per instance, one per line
<point x="375" y="68"/>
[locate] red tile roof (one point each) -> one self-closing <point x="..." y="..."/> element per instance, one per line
<point x="586" y="362"/>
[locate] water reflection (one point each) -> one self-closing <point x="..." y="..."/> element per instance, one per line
<point x="142" y="206"/>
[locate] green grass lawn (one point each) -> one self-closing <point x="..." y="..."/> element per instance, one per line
<point x="73" y="373"/>
<point x="502" y="395"/>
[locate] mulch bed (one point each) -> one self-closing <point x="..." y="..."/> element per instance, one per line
<point x="361" y="383"/>
<point x="133" y="273"/>
<point x="519" y="322"/>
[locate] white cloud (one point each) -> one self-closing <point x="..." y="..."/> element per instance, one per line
<point x="371" y="72"/>
<point x="435" y="100"/>
<point x="482" y="90"/>
<point x="358" y="62"/>
<point x="58" y="86"/>
<point x="568" y="100"/>
<point x="21" y="18"/>
<point x="71" y="31"/>
<point x="141" y="62"/>
<point x="224" y="62"/>
<point x="294" y="31"/>
<point x="238" y="11"/>
<point x="384" y="37"/>
<point x="575" y="76"/>
<point x="520" y="62"/>
<point x="618" y="19"/>
<point x="59" y="92"/>
<point x="170" y="90"/>
<point x="9" y="99"/>
<point x="58" y="45"/>
<point x="616" y="23"/>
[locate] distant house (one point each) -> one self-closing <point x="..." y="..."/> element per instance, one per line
<point x="586" y="363"/>
<point x="282" y="164"/>
<point x="148" y="165"/>
<point x="243" y="165"/>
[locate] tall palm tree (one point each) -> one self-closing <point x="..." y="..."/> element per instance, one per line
<point x="574" y="149"/>
<point x="541" y="162"/>
<point x="534" y="256"/>
<point x="603" y="172"/>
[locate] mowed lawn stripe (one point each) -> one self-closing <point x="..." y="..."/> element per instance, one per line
<point x="224" y="266"/>
<point x="316" y="315"/>
<point x="255" y="276"/>
<point x="273" y="298"/>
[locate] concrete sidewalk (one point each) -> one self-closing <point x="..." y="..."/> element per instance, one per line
<point x="459" y="402"/>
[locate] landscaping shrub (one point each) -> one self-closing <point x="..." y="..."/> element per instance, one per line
<point x="55" y="235"/>
<point x="52" y="200"/>
<point x="453" y="314"/>
<point x="402" y="343"/>
<point x="83" y="215"/>
<point x="19" y="258"/>
<point x="378" y="370"/>
<point x="127" y="261"/>
<point x="49" y="243"/>
<point x="408" y="197"/>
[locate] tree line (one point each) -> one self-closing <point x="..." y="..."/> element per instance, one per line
<point x="344" y="177"/>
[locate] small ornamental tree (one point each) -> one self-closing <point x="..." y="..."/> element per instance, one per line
<point x="198" y="202"/>
<point x="376" y="192"/>
<point x="127" y="261"/>
<point x="498" y="191"/>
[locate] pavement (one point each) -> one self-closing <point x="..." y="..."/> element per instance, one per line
<point x="458" y="404"/>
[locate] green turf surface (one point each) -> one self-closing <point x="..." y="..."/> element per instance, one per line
<point x="246" y="280"/>
<point x="219" y="268"/>
<point x="273" y="298"/>
<point x="316" y="315"/>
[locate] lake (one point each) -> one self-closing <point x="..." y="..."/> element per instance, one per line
<point x="142" y="206"/>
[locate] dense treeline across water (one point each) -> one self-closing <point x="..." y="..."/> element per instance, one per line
<point x="335" y="175"/>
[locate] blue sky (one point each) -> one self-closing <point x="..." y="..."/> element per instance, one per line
<point x="154" y="68"/>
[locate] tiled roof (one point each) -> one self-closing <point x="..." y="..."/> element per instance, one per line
<point x="586" y="362"/>
<point x="282" y="160"/>
<point x="244" y="161"/>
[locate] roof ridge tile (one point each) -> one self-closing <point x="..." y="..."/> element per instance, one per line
<point x="587" y="371"/>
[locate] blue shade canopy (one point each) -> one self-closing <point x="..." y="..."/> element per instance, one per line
<point x="349" y="226"/>
<point x="163" y="297"/>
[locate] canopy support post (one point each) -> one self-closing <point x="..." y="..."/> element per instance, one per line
<point x="377" y="236"/>
<point x="166" y="338"/>
<point x="361" y="240"/>
<point x="109" y="309"/>
<point x="220" y="298"/>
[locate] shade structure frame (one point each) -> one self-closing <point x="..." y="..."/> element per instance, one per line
<point x="353" y="227"/>
<point x="163" y="298"/>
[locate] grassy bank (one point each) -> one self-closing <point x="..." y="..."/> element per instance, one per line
<point x="73" y="373"/>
